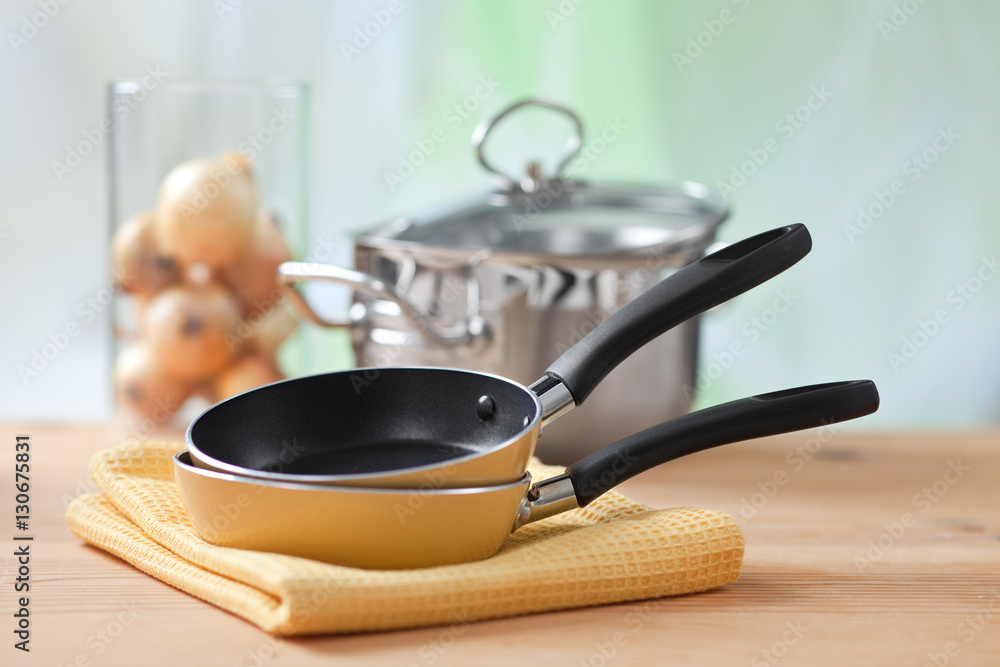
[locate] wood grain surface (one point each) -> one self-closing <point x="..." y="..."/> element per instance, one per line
<point x="860" y="549"/>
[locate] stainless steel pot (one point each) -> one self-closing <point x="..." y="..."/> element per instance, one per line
<point x="508" y="282"/>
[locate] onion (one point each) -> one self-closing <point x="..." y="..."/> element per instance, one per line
<point x="142" y="386"/>
<point x="206" y="212"/>
<point x="139" y="267"/>
<point x="271" y="329"/>
<point x="192" y="331"/>
<point x="249" y="372"/>
<point x="252" y="277"/>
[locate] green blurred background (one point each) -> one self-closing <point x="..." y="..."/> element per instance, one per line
<point x="700" y="89"/>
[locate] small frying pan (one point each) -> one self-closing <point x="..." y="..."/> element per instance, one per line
<point x="447" y="428"/>
<point x="399" y="528"/>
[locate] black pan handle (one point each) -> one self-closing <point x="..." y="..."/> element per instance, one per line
<point x="747" y="418"/>
<point x="692" y="290"/>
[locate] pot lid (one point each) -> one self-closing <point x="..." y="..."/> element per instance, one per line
<point x="561" y="217"/>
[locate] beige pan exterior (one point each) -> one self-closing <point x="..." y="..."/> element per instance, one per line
<point x="357" y="527"/>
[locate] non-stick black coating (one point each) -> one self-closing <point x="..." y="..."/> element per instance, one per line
<point x="362" y="421"/>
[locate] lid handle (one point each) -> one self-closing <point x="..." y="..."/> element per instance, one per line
<point x="533" y="179"/>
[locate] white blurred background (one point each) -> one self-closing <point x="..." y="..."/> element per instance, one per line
<point x="888" y="80"/>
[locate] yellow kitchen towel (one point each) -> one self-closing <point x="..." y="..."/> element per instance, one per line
<point x="614" y="550"/>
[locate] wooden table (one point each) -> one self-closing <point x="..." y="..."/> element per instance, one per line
<point x="863" y="549"/>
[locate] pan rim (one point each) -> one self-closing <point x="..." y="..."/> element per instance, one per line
<point x="189" y="467"/>
<point x="346" y="479"/>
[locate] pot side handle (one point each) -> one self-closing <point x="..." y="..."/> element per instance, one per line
<point x="291" y="273"/>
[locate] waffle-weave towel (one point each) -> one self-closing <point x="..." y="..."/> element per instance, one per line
<point x="614" y="550"/>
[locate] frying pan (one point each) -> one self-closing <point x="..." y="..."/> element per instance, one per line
<point x="399" y="528"/>
<point x="448" y="428"/>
